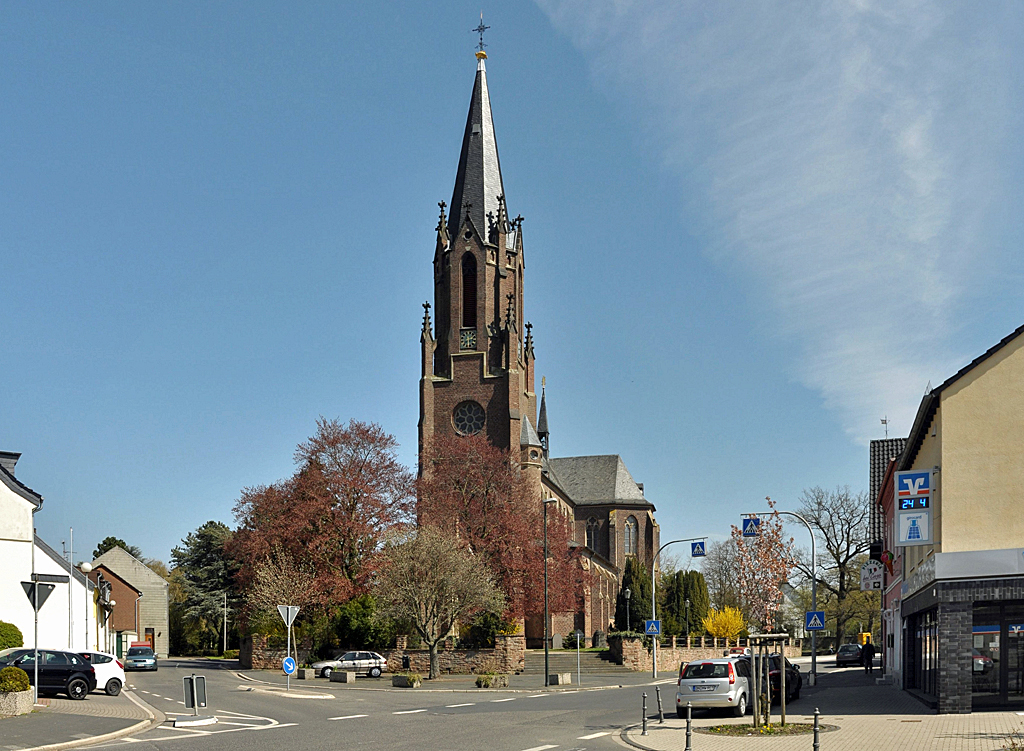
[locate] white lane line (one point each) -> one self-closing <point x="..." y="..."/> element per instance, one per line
<point x="348" y="717"/>
<point x="453" y="706"/>
<point x="540" y="748"/>
<point x="167" y="698"/>
<point x="591" y="737"/>
<point x="499" y="701"/>
<point x="410" y="711"/>
<point x="537" y="696"/>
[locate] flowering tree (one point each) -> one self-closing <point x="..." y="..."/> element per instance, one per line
<point x="324" y="524"/>
<point x="478" y="493"/>
<point x="763" y="564"/>
<point x="726" y="623"/>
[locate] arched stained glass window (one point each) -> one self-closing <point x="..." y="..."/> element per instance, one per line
<point x="592" y="526"/>
<point x="632" y="535"/>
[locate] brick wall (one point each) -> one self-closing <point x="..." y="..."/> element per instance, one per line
<point x="508" y="656"/>
<point x="955" y="681"/>
<point x="631" y="652"/>
<point x="254" y="654"/>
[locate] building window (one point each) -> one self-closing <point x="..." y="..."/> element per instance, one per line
<point x="468" y="418"/>
<point x="468" y="291"/>
<point x="631" y="535"/>
<point x="592" y="525"/>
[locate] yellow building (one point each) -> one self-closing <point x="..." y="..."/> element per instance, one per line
<point x="962" y="596"/>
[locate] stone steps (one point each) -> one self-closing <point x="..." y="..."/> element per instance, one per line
<point x="591" y="663"/>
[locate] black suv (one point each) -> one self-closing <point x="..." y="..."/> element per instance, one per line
<point x="59" y="671"/>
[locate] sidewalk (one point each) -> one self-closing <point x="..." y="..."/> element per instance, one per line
<point x="63" y="723"/>
<point x="880" y="718"/>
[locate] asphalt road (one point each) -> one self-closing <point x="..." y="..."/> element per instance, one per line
<point x="251" y="718"/>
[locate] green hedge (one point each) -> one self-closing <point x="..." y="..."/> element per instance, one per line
<point x="13" y="679"/>
<point x="10" y="636"/>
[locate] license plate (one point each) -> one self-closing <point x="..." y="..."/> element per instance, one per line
<point x="703" y="688"/>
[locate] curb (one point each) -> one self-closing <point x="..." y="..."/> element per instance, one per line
<point x="541" y="690"/>
<point x="138" y="727"/>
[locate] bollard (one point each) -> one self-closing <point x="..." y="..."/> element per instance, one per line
<point x="817" y="745"/>
<point x="661" y="714"/>
<point x="689" y="732"/>
<point x="644" y="731"/>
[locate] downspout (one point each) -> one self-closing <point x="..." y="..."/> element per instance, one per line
<point x="137" y="616"/>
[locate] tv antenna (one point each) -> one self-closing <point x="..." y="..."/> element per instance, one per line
<point x="885" y="423"/>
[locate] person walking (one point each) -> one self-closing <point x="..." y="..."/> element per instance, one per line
<point x="867" y="654"/>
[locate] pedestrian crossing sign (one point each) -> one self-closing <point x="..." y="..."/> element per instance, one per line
<point x="697" y="549"/>
<point x="751" y="526"/>
<point x="652" y="628"/>
<point x="815" y="620"/>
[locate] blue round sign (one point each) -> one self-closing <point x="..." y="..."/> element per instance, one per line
<point x="288" y="665"/>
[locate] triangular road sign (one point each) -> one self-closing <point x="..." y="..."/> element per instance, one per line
<point x="44" y="591"/>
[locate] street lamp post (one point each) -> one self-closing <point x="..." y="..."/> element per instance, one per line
<point x="813" y="677"/>
<point x="627" y="594"/>
<point x="686" y="604"/>
<point x="86" y="569"/>
<point x="547" y="674"/>
<point x="654" y="598"/>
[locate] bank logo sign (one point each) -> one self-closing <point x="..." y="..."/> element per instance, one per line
<point x="915" y="528"/>
<point x="914" y="507"/>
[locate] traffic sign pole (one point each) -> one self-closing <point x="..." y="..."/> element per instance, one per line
<point x="654" y="596"/>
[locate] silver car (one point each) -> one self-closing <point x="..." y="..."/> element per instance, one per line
<point x="718" y="683"/>
<point x="368" y="663"/>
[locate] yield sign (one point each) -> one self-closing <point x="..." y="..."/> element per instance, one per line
<point x="750" y="526"/>
<point x="288" y="613"/>
<point x="44" y="591"/>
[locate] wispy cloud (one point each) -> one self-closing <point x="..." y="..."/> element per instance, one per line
<point x="841" y="158"/>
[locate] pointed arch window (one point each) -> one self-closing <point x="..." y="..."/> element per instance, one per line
<point x="468" y="291"/>
<point x="632" y="535"/>
<point x="592" y="527"/>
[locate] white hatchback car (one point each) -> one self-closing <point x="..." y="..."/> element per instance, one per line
<point x="723" y="682"/>
<point x="109" y="671"/>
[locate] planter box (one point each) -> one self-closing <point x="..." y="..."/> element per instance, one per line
<point x="343" y="676"/>
<point x="304" y="673"/>
<point x="560" y="679"/>
<point x="404" y="681"/>
<point x="15" y="703"/>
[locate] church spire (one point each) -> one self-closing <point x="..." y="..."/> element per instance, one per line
<point x="542" y="418"/>
<point x="478" y="181"/>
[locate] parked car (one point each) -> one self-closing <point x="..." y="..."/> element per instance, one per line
<point x="848" y="654"/>
<point x="720" y="683"/>
<point x="109" y="671"/>
<point x="981" y="663"/>
<point x="140" y="658"/>
<point x="59" y="671"/>
<point x="370" y="663"/>
<point x="737" y="651"/>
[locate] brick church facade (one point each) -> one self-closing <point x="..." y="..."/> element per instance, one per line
<point x="478" y="375"/>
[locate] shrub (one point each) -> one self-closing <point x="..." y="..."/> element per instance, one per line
<point x="230" y="654"/>
<point x="10" y="636"/>
<point x="569" y="642"/>
<point x="13" y="679"/>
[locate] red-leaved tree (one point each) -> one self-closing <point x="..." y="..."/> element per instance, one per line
<point x="329" y="519"/>
<point x="763" y="565"/>
<point x="478" y="492"/>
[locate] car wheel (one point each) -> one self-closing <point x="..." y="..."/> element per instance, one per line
<point x="796" y="694"/>
<point x="741" y="706"/>
<point x="375" y="672"/>
<point x="113" y="687"/>
<point x="326" y="673"/>
<point x="77" y="688"/>
<point x="680" y="713"/>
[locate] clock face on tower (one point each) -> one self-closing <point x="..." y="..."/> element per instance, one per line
<point x="467" y="339"/>
<point x="468" y="418"/>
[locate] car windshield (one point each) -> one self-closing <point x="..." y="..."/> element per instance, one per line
<point x="847" y="648"/>
<point x="140" y="652"/>
<point x="706" y="670"/>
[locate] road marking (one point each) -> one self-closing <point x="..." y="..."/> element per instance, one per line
<point x="540" y="748"/>
<point x="453" y="706"/>
<point x="591" y="737"/>
<point x="410" y="711"/>
<point x="167" y="698"/>
<point x="348" y="717"/>
<point x="537" y="696"/>
<point x="181" y="703"/>
<point x="498" y="701"/>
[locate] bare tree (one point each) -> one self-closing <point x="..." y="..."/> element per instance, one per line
<point x="433" y="580"/>
<point x="277" y="580"/>
<point x="841" y="520"/>
<point x="719" y="567"/>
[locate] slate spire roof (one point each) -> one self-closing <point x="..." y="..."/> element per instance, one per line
<point x="478" y="180"/>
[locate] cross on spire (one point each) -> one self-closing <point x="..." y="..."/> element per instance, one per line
<point x="480" y="30"/>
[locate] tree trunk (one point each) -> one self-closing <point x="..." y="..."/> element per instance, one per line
<point x="434" y="669"/>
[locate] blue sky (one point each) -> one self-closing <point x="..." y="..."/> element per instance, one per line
<point x="750" y="234"/>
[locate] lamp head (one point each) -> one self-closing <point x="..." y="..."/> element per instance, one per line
<point x="85" y="568"/>
<point x="113" y="603"/>
<point x="627" y="593"/>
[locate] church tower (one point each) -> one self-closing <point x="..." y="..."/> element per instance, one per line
<point x="477" y="357"/>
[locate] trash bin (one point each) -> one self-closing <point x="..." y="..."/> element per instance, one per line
<point x="405" y="662"/>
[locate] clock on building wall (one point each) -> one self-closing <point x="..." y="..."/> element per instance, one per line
<point x="468" y="418"/>
<point x="467" y="339"/>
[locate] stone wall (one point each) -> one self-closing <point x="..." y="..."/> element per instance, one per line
<point x="630" y="652"/>
<point x="254" y="654"/>
<point x="508" y="656"/>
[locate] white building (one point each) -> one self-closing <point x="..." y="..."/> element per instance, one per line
<point x="71" y="617"/>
